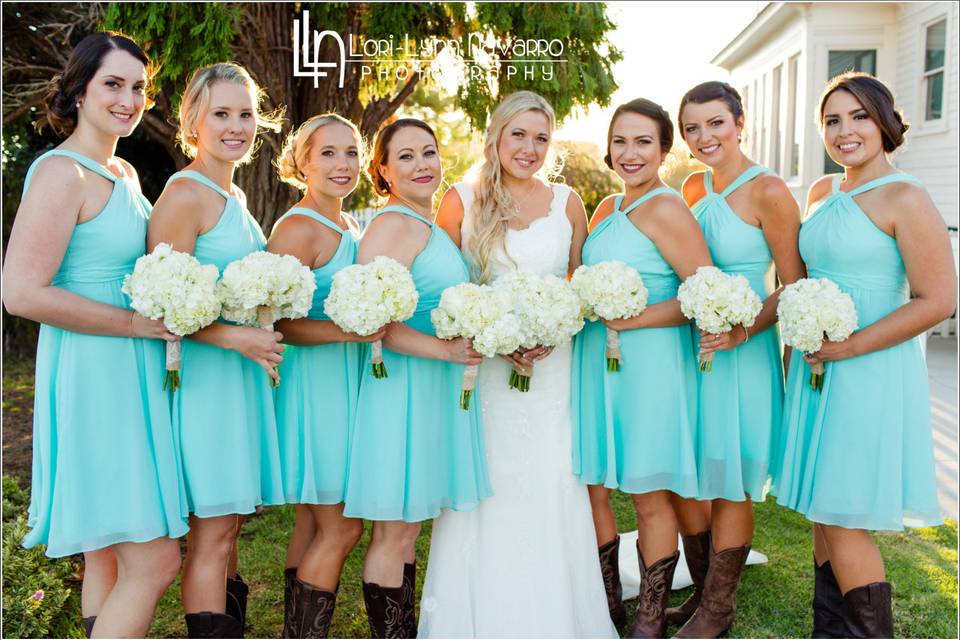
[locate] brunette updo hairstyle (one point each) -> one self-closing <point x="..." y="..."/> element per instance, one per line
<point x="877" y="100"/>
<point x="650" y="109"/>
<point x="66" y="88"/>
<point x="381" y="146"/>
<point x="708" y="92"/>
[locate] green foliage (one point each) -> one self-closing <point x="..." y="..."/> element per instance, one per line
<point x="179" y="37"/>
<point x="21" y="144"/>
<point x="585" y="172"/>
<point x="586" y="75"/>
<point x="40" y="594"/>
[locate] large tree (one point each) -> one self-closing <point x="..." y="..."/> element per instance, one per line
<point x="183" y="36"/>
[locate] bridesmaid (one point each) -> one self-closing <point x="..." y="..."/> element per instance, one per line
<point x="414" y="451"/>
<point x="321" y="375"/>
<point x="105" y="469"/>
<point x="634" y="429"/>
<point x="750" y="221"/>
<point x="223" y="414"/>
<point x="858" y="455"/>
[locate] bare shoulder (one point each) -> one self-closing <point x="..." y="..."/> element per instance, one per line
<point x="603" y="211"/>
<point x="770" y="188"/>
<point x="58" y="171"/>
<point x="183" y="198"/>
<point x="450" y="210"/>
<point x="296" y="226"/>
<point x="910" y="201"/>
<point x="390" y="222"/>
<point x="693" y="188"/>
<point x="670" y="212"/>
<point x="820" y="189"/>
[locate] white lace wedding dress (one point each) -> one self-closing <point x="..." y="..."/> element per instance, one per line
<point x="524" y="563"/>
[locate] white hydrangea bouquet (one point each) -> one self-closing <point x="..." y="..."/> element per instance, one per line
<point x="717" y="302"/>
<point x="262" y="287"/>
<point x="174" y="286"/>
<point x="610" y="290"/>
<point x="364" y="298"/>
<point x="548" y="310"/>
<point x="482" y="314"/>
<point x="810" y="308"/>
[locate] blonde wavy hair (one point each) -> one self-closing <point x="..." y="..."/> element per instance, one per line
<point x="493" y="205"/>
<point x="196" y="99"/>
<point x="296" y="149"/>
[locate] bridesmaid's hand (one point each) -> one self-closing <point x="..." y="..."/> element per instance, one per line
<point x="461" y="351"/>
<point x="831" y="351"/>
<point x="373" y="337"/>
<point x="141" y="327"/>
<point x="261" y="346"/>
<point x="623" y="324"/>
<point x="723" y="342"/>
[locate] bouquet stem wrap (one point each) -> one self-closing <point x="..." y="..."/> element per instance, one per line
<point x="379" y="369"/>
<point x="706" y="362"/>
<point x="172" y="379"/>
<point x="613" y="350"/>
<point x="469" y="382"/>
<point x="265" y="320"/>
<point x="816" y="376"/>
<point x="520" y="379"/>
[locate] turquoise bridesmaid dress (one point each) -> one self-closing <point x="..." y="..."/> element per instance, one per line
<point x="317" y="401"/>
<point x="633" y="429"/>
<point x="859" y="454"/>
<point x="105" y="458"/>
<point x="414" y="451"/>
<point x="741" y="400"/>
<point x="223" y="412"/>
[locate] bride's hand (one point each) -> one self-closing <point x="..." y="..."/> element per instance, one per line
<point x="539" y="352"/>
<point x="518" y="360"/>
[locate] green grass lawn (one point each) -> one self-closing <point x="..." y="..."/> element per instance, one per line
<point x="774" y="599"/>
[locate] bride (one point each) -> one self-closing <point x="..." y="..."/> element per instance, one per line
<point x="524" y="563"/>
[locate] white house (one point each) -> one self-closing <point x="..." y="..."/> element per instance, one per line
<point x="781" y="61"/>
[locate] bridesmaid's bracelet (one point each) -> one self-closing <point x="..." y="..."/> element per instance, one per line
<point x="746" y="334"/>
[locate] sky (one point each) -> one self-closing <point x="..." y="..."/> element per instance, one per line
<point x="667" y="48"/>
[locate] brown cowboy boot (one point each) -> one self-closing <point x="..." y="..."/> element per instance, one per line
<point x="409" y="592"/>
<point x="867" y="611"/>
<point x="718" y="604"/>
<point x="316" y="608"/>
<point x="290" y="603"/>
<point x="213" y="625"/>
<point x="696" y="553"/>
<point x="236" y="604"/>
<point x="610" y="570"/>
<point x="88" y="623"/>
<point x="827" y="603"/>
<point x="655" y="582"/>
<point x="384" y="610"/>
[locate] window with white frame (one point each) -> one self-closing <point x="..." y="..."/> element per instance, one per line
<point x="775" y="121"/>
<point x="794" y="116"/>
<point x="934" y="59"/>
